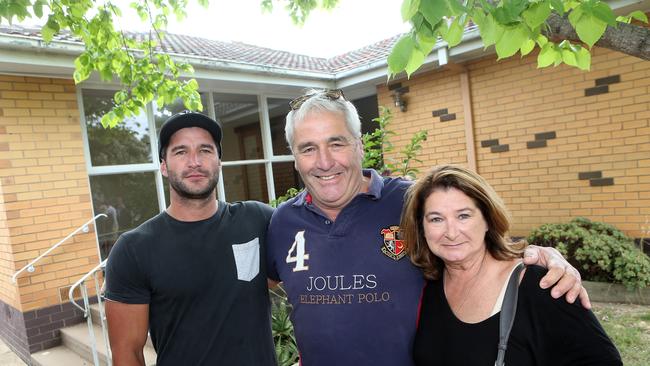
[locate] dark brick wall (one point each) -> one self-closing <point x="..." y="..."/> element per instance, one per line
<point x="12" y="331"/>
<point x="35" y="330"/>
<point x="42" y="325"/>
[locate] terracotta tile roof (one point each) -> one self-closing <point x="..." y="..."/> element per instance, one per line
<point x="242" y="53"/>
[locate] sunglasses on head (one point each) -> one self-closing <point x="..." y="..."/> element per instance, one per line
<point x="331" y="94"/>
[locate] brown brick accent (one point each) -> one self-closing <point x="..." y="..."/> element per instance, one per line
<point x="608" y="80"/>
<point x="439" y="112"/>
<point x="535" y="144"/>
<point x="488" y="143"/>
<point x="596" y="90"/>
<point x="599" y="182"/>
<point x="589" y="175"/>
<point x="500" y="148"/>
<point x="448" y="117"/>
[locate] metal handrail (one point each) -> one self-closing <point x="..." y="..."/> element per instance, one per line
<point x="30" y="266"/>
<point x="82" y="280"/>
<point x="88" y="314"/>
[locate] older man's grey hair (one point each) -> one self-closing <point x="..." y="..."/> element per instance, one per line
<point x="320" y="103"/>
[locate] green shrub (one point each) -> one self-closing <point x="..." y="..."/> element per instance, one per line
<point x="598" y="250"/>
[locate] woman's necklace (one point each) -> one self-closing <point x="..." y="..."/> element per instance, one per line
<point x="469" y="287"/>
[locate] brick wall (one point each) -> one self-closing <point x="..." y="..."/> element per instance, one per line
<point x="539" y="131"/>
<point x="431" y="93"/>
<point x="44" y="192"/>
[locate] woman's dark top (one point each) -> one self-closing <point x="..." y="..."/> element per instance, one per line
<point x="546" y="331"/>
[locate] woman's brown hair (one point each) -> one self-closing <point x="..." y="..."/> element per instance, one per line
<point x="443" y="177"/>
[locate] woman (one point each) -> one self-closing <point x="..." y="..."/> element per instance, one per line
<point x="455" y="229"/>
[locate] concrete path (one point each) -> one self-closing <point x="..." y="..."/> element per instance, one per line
<point x="7" y="357"/>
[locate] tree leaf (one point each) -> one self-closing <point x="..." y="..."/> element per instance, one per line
<point x="639" y="15"/>
<point x="50" y="29"/>
<point x="583" y="59"/>
<point x="569" y="57"/>
<point x="409" y="9"/>
<point x="38" y="8"/>
<point x="415" y="61"/>
<point x="490" y="31"/>
<point x="590" y="29"/>
<point x="455" y="33"/>
<point x="425" y="45"/>
<point x="558" y="6"/>
<point x="454" y="7"/>
<point x="575" y="15"/>
<point x="433" y="10"/>
<point x="546" y="56"/>
<point x="537" y="14"/>
<point x="603" y="12"/>
<point x="510" y="42"/>
<point x="527" y="47"/>
<point x="400" y="55"/>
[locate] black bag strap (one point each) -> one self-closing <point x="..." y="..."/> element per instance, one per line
<point x="508" y="311"/>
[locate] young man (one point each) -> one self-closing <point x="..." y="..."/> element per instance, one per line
<point x="193" y="275"/>
<point x="336" y="246"/>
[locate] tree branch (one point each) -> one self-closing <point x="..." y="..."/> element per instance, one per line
<point x="630" y="39"/>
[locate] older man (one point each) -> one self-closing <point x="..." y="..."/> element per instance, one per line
<point x="337" y="250"/>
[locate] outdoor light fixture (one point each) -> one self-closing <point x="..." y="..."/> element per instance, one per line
<point x="398" y="98"/>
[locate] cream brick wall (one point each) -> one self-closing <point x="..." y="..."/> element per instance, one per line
<point x="45" y="192"/>
<point x="512" y="100"/>
<point x="428" y="92"/>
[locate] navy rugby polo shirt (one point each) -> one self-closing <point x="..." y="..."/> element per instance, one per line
<point x="353" y="290"/>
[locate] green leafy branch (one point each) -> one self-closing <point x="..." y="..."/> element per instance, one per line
<point x="510" y="26"/>
<point x="144" y="70"/>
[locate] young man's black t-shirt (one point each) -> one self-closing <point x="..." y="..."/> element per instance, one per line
<point x="205" y="283"/>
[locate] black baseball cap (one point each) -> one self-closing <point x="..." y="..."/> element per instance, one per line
<point x="188" y="119"/>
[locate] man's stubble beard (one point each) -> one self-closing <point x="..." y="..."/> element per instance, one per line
<point x="185" y="192"/>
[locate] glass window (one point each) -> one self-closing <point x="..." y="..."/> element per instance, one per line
<point x="245" y="182"/>
<point x="126" y="143"/>
<point x="240" y="119"/>
<point x="285" y="177"/>
<point x="127" y="199"/>
<point x="278" y="109"/>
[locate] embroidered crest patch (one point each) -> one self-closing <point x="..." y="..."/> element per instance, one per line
<point x="393" y="245"/>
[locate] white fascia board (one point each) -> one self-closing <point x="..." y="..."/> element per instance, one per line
<point x="214" y="72"/>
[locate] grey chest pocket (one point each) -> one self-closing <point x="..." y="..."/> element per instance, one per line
<point x="247" y="259"/>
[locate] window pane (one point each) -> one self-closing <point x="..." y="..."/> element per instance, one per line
<point x="278" y="109"/>
<point x="245" y="182"/>
<point x="285" y="177"/>
<point x="126" y="143"/>
<point x="127" y="199"/>
<point x="240" y="119"/>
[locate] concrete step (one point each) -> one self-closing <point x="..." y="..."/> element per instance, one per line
<point x="77" y="339"/>
<point x="58" y="356"/>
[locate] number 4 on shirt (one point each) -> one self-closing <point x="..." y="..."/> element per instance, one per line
<point x="301" y="256"/>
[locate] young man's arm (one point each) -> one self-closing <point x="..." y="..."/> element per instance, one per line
<point x="564" y="278"/>
<point x="128" y="325"/>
